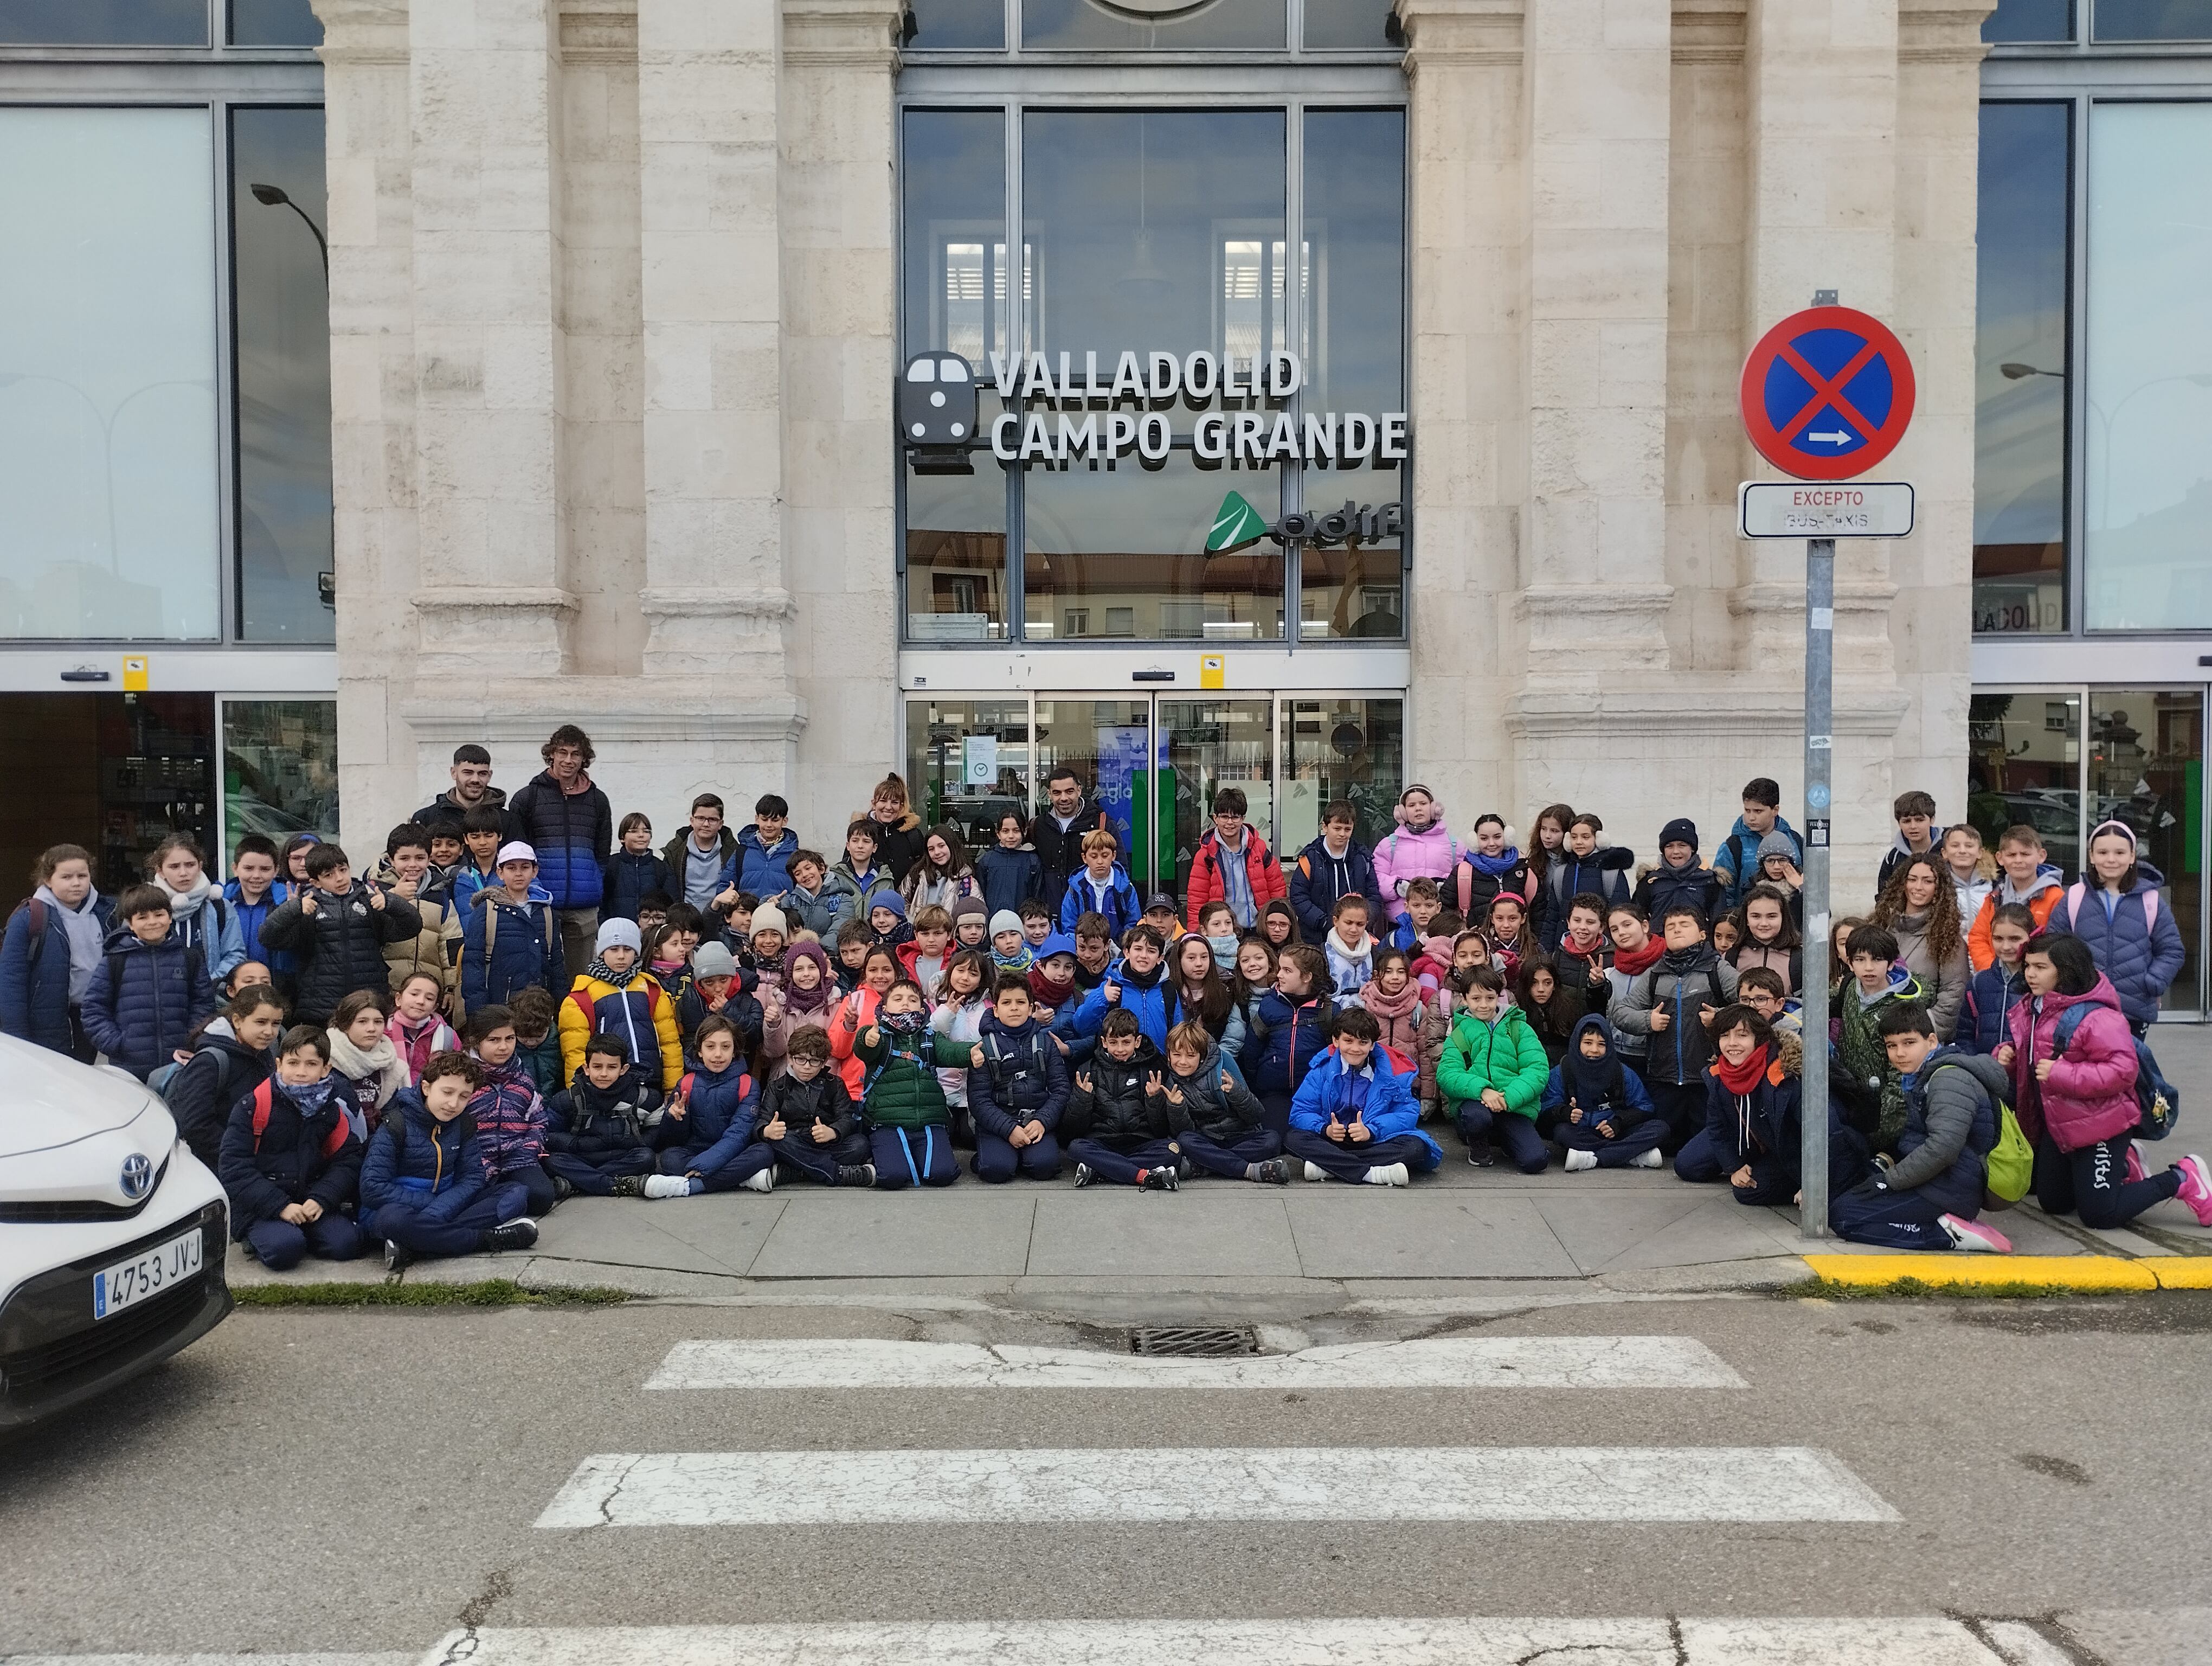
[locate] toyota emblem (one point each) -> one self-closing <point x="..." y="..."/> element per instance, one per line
<point x="137" y="1175"/>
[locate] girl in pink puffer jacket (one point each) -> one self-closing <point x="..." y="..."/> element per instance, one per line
<point x="2077" y="1104"/>
<point x="1422" y="847"/>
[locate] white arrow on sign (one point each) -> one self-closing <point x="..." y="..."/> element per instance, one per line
<point x="1836" y="438"/>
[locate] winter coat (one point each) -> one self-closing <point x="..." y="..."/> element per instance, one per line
<point x="1059" y="851"/>
<point x="201" y="919"/>
<point x="288" y="1159"/>
<point x="1209" y="884"/>
<point x="1503" y="1054"/>
<point x="1380" y="1094"/>
<point x="417" y="1044"/>
<point x="1625" y="1111"/>
<point x="1901" y="853"/>
<point x="782" y="1021"/>
<point x="1285" y="1041"/>
<point x="814" y="911"/>
<point x="543" y="1060"/>
<point x="1023" y="1078"/>
<point x="801" y="1105"/>
<point x="142" y="1005"/>
<point x="417" y="1161"/>
<point x="434" y="948"/>
<point x="1986" y="1016"/>
<point x="1681" y="1052"/>
<point x="2044" y="892"/>
<point x="1764" y="1125"/>
<point x="1943" y="987"/>
<point x="1009" y="878"/>
<point x="1788" y="964"/>
<point x="639" y="1011"/>
<point x="469" y="882"/>
<point x="1205" y="1111"/>
<point x="1737" y="861"/>
<point x="220" y="1072"/>
<point x="1663" y="887"/>
<point x="851" y="894"/>
<point x="920" y="892"/>
<point x="340" y="946"/>
<point x="597" y="1125"/>
<point x="1318" y="879"/>
<point x="1437" y="1016"/>
<point x="34" y="976"/>
<point x="1950" y="1127"/>
<point x="2091" y="1095"/>
<point x="625" y="879"/>
<point x="2134" y="940"/>
<point x="572" y="834"/>
<point x="719" y="1118"/>
<point x="1861" y="1076"/>
<point x="1119" y="904"/>
<point x="250" y="917"/>
<point x="1603" y="873"/>
<point x="510" y="1118"/>
<point x="1115" y="1109"/>
<point x="760" y="869"/>
<point x="1403" y="856"/>
<point x="1151" y="1000"/>
<point x="899" y="843"/>
<point x="676" y="861"/>
<point x="1478" y="890"/>
<point x="444" y="809"/>
<point x="849" y="1021"/>
<point x="901" y="1089"/>
<point x="741" y="1008"/>
<point x="507" y="947"/>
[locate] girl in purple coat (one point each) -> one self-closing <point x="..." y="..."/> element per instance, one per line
<point x="2076" y="1102"/>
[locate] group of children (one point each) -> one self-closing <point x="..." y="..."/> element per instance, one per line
<point x="410" y="1061"/>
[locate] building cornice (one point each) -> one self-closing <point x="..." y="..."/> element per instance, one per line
<point x="1460" y="34"/>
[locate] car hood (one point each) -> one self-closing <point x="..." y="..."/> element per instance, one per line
<point x="49" y="1100"/>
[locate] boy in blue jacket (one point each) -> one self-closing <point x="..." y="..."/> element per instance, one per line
<point x="1335" y="864"/>
<point x="1138" y="985"/>
<point x="422" y="1184"/>
<point x="1599" y="1109"/>
<point x="1736" y="862"/>
<point x="290" y="1161"/>
<point x="142" y="1006"/>
<point x="510" y="941"/>
<point x="1019" y="1091"/>
<point x="1354" y="1118"/>
<point x="1100" y="887"/>
<point x="709" y="1133"/>
<point x="253" y="891"/>
<point x="761" y="864"/>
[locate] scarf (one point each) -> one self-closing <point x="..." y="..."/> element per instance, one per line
<point x="1387" y="1006"/>
<point x="1682" y="962"/>
<point x="1225" y="952"/>
<point x="1235" y="867"/>
<point x="1591" y="950"/>
<point x="310" y="1097"/>
<point x="1637" y="962"/>
<point x="1350" y="969"/>
<point x="416" y="1042"/>
<point x="1014" y="963"/>
<point x="1741" y="1078"/>
<point x="601" y="972"/>
<point x="903" y="1032"/>
<point x="184" y="904"/>
<point x="796" y="999"/>
<point x="1591" y="1082"/>
<point x="1048" y="990"/>
<point x="81" y="927"/>
<point x="1498" y="866"/>
<point x="382" y="1065"/>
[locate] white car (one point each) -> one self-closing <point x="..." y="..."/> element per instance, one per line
<point x="112" y="1233"/>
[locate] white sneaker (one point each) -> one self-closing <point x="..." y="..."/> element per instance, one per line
<point x="762" y="1182"/>
<point x="1647" y="1159"/>
<point x="1315" y="1171"/>
<point x="667" y="1185"/>
<point x="1972" y="1235"/>
<point x="1389" y="1174"/>
<point x="1578" y="1160"/>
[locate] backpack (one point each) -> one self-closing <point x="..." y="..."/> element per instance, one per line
<point x="2156" y="1101"/>
<point x="2078" y="893"/>
<point x="264" y="1100"/>
<point x="2009" y="1165"/>
<point x="998" y="1063"/>
<point x="491" y="930"/>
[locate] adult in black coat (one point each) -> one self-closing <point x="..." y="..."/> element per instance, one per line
<point x="1057" y="834"/>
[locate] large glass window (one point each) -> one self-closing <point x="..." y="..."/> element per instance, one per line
<point x="2023" y="769"/>
<point x="2148" y="489"/>
<point x="280" y="769"/>
<point x="104" y="23"/>
<point x="1333" y="25"/>
<point x="2153" y="20"/>
<point x="968" y="763"/>
<point x="2146" y="769"/>
<point x="1348" y="748"/>
<point x="2021" y="369"/>
<point x="1146" y="25"/>
<point x="282" y="325"/>
<point x="109" y="466"/>
<point x="274" y="23"/>
<point x="2030" y="19"/>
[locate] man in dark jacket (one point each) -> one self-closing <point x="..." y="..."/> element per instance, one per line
<point x="1116" y="1119"/>
<point x="1334" y="865"/>
<point x="140" y="1005"/>
<point x="1057" y="834"/>
<point x="337" y="929"/>
<point x="424" y="1185"/>
<point x="290" y="1160"/>
<point x="1020" y="1091"/>
<point x="472" y="787"/>
<point x="700" y="857"/>
<point x="570" y="824"/>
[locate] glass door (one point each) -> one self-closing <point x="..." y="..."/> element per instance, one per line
<point x="1205" y="745"/>
<point x="2146" y="769"/>
<point x="1107" y="739"/>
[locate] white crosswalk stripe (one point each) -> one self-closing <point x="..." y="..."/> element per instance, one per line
<point x="1486" y="1362"/>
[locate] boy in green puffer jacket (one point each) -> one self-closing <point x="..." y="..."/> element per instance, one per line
<point x="1491" y="1075"/>
<point x="909" y="1129"/>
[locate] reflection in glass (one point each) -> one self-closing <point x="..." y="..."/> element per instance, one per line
<point x="2146" y="769"/>
<point x="2020" y="370"/>
<point x="2023" y="769"/>
<point x="1356" y="232"/>
<point x="108" y="463"/>
<point x="2152" y="20"/>
<point x="274" y="23"/>
<point x="1205" y="745"/>
<point x="1339" y="24"/>
<point x="2149" y="395"/>
<point x="958" y="26"/>
<point x="956" y="555"/>
<point x="1343" y="748"/>
<point x="956" y="234"/>
<point x="283" y="329"/>
<point x="1107" y="743"/>
<point x="944" y="738"/>
<point x="1088" y="26"/>
<point x="280" y="769"/>
<point x="104" y="23"/>
<point x="2030" y="19"/>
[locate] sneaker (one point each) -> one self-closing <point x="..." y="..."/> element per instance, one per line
<point x="1479" y="1153"/>
<point x="1274" y="1173"/>
<point x="1315" y="1171"/>
<point x="762" y="1182"/>
<point x="2195" y="1187"/>
<point x="2134" y="1161"/>
<point x="395" y="1260"/>
<point x="666" y="1185"/>
<point x="1084" y="1173"/>
<point x="562" y="1191"/>
<point x="519" y="1233"/>
<point x="864" y="1174"/>
<point x="1647" y="1159"/>
<point x="630" y="1185"/>
<point x="1158" y="1180"/>
<point x="1389" y="1174"/>
<point x="1578" y="1160"/>
<point x="1974" y="1235"/>
<point x="1184" y="1168"/>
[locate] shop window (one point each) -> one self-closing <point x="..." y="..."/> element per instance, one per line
<point x="2146" y="769"/>
<point x="108" y="458"/>
<point x="2148" y="490"/>
<point x="2152" y="20"/>
<point x="2030" y="19"/>
<point x="280" y="769"/>
<point x="2023" y="769"/>
<point x="281" y="319"/>
<point x="1343" y="748"/>
<point x="274" y="23"/>
<point x="1151" y="25"/>
<point x="104" y="23"/>
<point x="968" y="764"/>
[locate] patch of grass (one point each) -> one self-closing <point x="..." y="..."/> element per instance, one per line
<point x="1919" y="1290"/>
<point x="486" y="1292"/>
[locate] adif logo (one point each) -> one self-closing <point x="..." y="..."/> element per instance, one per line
<point x="1237" y="523"/>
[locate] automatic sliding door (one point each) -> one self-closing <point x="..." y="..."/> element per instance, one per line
<point x="1106" y="740"/>
<point x="1205" y="745"/>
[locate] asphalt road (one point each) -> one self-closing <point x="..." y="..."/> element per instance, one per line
<point x="368" y="1480"/>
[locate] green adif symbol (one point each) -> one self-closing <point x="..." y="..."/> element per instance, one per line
<point x="1236" y="522"/>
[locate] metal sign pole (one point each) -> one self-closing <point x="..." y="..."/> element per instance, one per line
<point x="1819" y="752"/>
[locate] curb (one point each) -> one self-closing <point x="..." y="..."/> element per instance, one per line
<point x="2058" y="1272"/>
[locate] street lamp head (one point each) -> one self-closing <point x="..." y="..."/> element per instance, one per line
<point x="2012" y="373"/>
<point x="273" y="196"/>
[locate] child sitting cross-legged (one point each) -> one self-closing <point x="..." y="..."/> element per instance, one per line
<point x="423" y="1186"/>
<point x="1218" y="1122"/>
<point x="1491" y="1074"/>
<point x="1605" y="1119"/>
<point x="810" y="1120"/>
<point x="1116" y="1121"/>
<point x="509" y="1115"/>
<point x="605" y="1124"/>
<point x="909" y="1124"/>
<point x="1752" y="1135"/>
<point x="290" y="1160"/>
<point x="712" y="1125"/>
<point x="1354" y="1118"/>
<point x="1018" y="1092"/>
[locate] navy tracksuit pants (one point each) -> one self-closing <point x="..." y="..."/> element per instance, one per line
<point x="1351" y="1162"/>
<point x="598" y="1179"/>
<point x="1682" y="1104"/>
<point x="1524" y="1146"/>
<point x="2094" y="1182"/>
<point x="1121" y="1165"/>
<point x="277" y="1245"/>
<point x="913" y="1157"/>
<point x="460" y="1234"/>
<point x="1230" y="1161"/>
<point x="820" y="1164"/>
<point x="536" y="1182"/>
<point x="999" y="1160"/>
<point x="1618" y="1152"/>
<point x="1870" y="1213"/>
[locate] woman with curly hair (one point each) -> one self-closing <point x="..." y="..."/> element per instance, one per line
<point x="1921" y="909"/>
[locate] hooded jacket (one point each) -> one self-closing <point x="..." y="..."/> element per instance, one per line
<point x="143" y="1004"/>
<point x="340" y="946"/>
<point x="718" y="1118"/>
<point x="1503" y="1054"/>
<point x="899" y="844"/>
<point x="222" y="1071"/>
<point x="202" y="919"/>
<point x="1942" y="985"/>
<point x="416" y="1160"/>
<point x="510" y="1118"/>
<point x="507" y="947"/>
<point x="761" y="868"/>
<point x="1008" y="879"/>
<point x="1318" y="880"/>
<point x="443" y="808"/>
<point x="1603" y="873"/>
<point x="34" y="972"/>
<point x="811" y="910"/>
<point x="250" y="916"/>
<point x="1285" y="1037"/>
<point x="1115" y="1109"/>
<point x="1023" y="1079"/>
<point x="572" y="834"/>
<point x="1985" y="1015"/>
<point x="1899" y="853"/>
<point x="2091" y="1093"/>
<point x="1862" y="1076"/>
<point x="1950" y="1127"/>
<point x="801" y="1105"/>
<point x="1764" y="1125"/>
<point x="597" y="1124"/>
<point x="2043" y="894"/>
<point x="900" y="1089"/>
<point x="2133" y="939"/>
<point x="1380" y="1096"/>
<point x="1685" y="983"/>
<point x="1736" y="862"/>
<point x="1222" y="1118"/>
<point x="1119" y="904"/>
<point x="273" y="1155"/>
<point x="435" y="946"/>
<point x="851" y="894"/>
<point x="638" y="1010"/>
<point x="627" y="876"/>
<point x="1622" y="1101"/>
<point x="1403" y="856"/>
<point x="1148" y="996"/>
<point x="1209" y="883"/>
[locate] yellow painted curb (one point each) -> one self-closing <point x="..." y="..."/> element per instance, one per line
<point x="2181" y="1272"/>
<point x="2069" y="1272"/>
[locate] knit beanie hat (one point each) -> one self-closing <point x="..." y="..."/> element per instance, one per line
<point x="769" y="918"/>
<point x="616" y="934"/>
<point x="882" y="899"/>
<point x="977" y="906"/>
<point x="1778" y="843"/>
<point x="713" y="960"/>
<point x="1681" y="831"/>
<point x="1006" y="920"/>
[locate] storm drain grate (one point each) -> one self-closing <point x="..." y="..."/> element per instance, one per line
<point x="1185" y="1341"/>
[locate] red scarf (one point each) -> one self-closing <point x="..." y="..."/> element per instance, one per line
<point x="1741" y="1078"/>
<point x="1051" y="991"/>
<point x="1638" y="961"/>
<point x="1591" y="950"/>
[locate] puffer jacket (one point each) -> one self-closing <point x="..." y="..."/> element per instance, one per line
<point x="1986" y="1016"/>
<point x="249" y="915"/>
<point x="597" y="1124"/>
<point x="2134" y="940"/>
<point x="851" y="894"/>
<point x="1663" y="887"/>
<point x="1950" y="1127"/>
<point x="1680" y="1053"/>
<point x="1380" y="1096"/>
<point x="639" y="1011"/>
<point x="902" y="1091"/>
<point x="434" y="948"/>
<point x="1009" y="878"/>
<point x="1737" y="861"/>
<point x="802" y="1105"/>
<point x="1318" y="880"/>
<point x="142" y="1005"/>
<point x="507" y="947"/>
<point x="2044" y="893"/>
<point x="572" y="834"/>
<point x="1603" y="873"/>
<point x="811" y="910"/>
<point x="1503" y="1054"/>
<point x="627" y="876"/>
<point x="1403" y="856"/>
<point x="1285" y="1041"/>
<point x="760" y="868"/>
<point x="340" y="946"/>
<point x="718" y="1120"/>
<point x="511" y="1118"/>
<point x="1209" y="884"/>
<point x="1148" y="998"/>
<point x="1205" y="1111"/>
<point x="272" y="1157"/>
<point x="34" y="976"/>
<point x="1115" y="1109"/>
<point x="416" y="1160"/>
<point x="2091" y="1095"/>
<point x="220" y="1072"/>
<point x="898" y="844"/>
<point x="1118" y="904"/>
<point x="1763" y="1125"/>
<point x="1024" y="1079"/>
<point x="846" y="1022"/>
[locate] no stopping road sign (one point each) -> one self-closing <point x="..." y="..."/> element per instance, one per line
<point x="1827" y="393"/>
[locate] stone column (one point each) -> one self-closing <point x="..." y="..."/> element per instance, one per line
<point x="709" y="101"/>
<point x="489" y="350"/>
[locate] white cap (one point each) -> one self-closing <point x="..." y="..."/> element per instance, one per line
<point x="515" y="851"/>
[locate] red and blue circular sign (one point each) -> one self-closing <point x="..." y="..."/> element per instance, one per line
<point x="1827" y="393"/>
